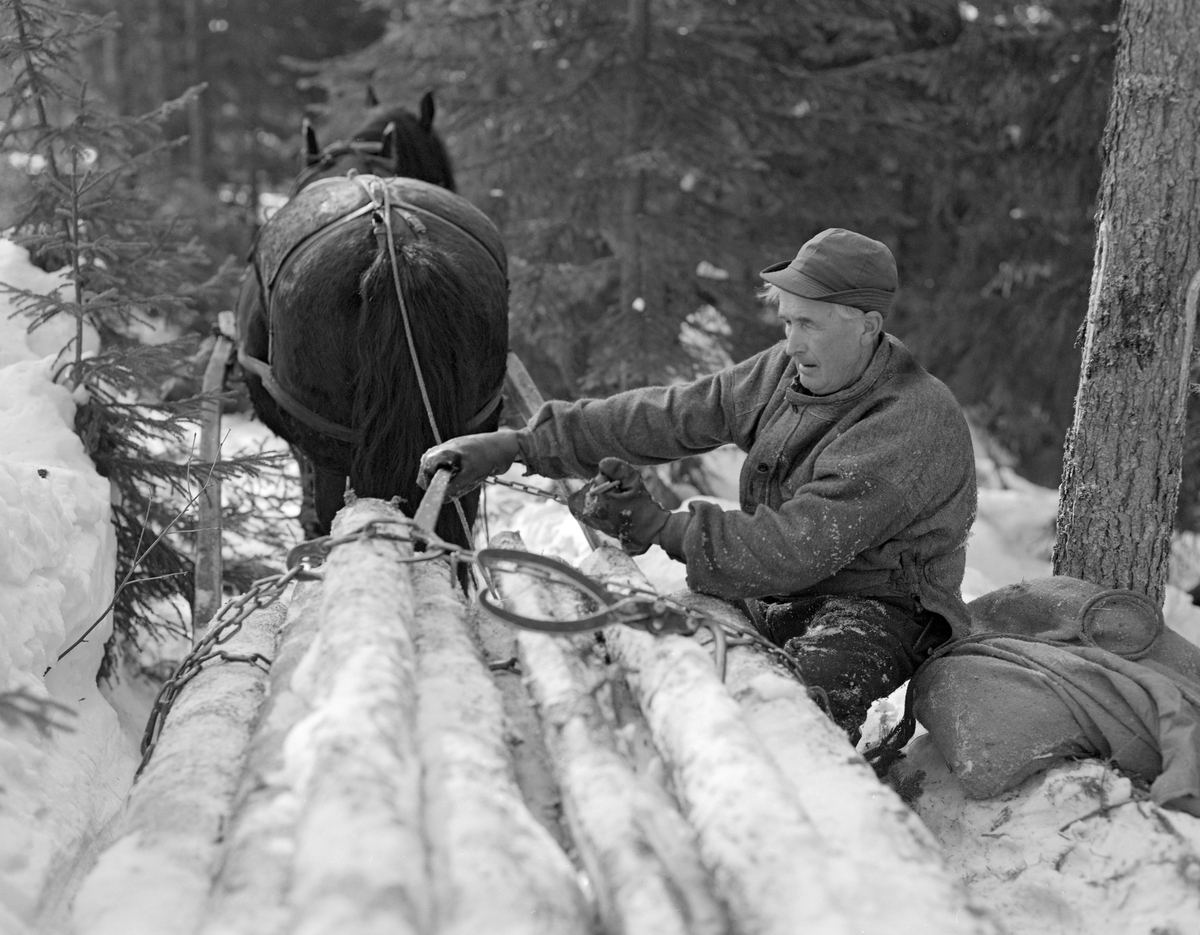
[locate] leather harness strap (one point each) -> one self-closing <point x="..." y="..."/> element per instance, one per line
<point x="262" y="369"/>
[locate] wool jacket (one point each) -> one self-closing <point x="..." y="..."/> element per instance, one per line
<point x="867" y="491"/>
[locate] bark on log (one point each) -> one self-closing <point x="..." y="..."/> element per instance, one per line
<point x="527" y="746"/>
<point x="772" y="868"/>
<point x="165" y="851"/>
<point x="637" y="848"/>
<point x="901" y="872"/>
<point x="494" y="868"/>
<point x="360" y="856"/>
<point x="250" y="892"/>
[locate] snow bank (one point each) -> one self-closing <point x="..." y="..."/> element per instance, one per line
<point x="1075" y="850"/>
<point x="57" y="563"/>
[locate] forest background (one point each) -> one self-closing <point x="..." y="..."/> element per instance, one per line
<point x="643" y="159"/>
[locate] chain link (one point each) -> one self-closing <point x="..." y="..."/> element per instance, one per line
<point x="225" y="624"/>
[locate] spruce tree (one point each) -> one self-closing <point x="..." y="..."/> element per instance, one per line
<point x="95" y="185"/>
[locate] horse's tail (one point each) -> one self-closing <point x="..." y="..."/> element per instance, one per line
<point x="453" y="317"/>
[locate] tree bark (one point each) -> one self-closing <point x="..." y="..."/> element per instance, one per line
<point x="1123" y="453"/>
<point x="636" y="302"/>
<point x="156" y="64"/>
<point x="193" y="51"/>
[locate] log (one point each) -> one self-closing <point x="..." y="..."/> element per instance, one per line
<point x="250" y="891"/>
<point x="905" y="883"/>
<point x="527" y="746"/>
<point x="155" y="876"/>
<point x="494" y="868"/>
<point x="360" y="862"/>
<point x="638" y="851"/>
<point x="770" y="865"/>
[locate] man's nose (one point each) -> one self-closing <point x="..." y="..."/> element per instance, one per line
<point x="795" y="344"/>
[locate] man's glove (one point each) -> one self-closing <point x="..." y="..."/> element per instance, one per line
<point x="472" y="458"/>
<point x="618" y="504"/>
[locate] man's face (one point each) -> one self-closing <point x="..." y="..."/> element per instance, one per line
<point x="830" y="351"/>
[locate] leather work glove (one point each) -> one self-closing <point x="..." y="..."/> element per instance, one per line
<point x="617" y="503"/>
<point x="471" y="457"/>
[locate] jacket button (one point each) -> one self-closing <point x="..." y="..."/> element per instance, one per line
<point x="763" y="467"/>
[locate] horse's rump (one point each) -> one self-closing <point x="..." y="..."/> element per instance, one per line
<point x="327" y="201"/>
<point x="335" y="335"/>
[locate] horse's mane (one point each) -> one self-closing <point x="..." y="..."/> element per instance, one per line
<point x="390" y="142"/>
<point x="420" y="153"/>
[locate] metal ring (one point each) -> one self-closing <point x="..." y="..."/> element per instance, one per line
<point x="488" y="557"/>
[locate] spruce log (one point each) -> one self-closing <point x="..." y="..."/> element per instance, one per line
<point x="902" y="875"/>
<point x="639" y="852"/>
<point x="155" y="876"/>
<point x="772" y="868"/>
<point x="250" y="892"/>
<point x="360" y="862"/>
<point x="494" y="868"/>
<point x="523" y="727"/>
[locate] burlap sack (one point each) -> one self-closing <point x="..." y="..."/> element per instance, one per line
<point x="1058" y="668"/>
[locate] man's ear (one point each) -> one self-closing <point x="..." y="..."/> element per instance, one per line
<point x="872" y="326"/>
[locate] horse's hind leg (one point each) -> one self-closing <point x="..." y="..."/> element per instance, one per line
<point x="308" y="496"/>
<point x="329" y="496"/>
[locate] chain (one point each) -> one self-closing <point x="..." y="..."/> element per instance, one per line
<point x="227" y="622"/>
<point x="635" y="607"/>
<point x="527" y="488"/>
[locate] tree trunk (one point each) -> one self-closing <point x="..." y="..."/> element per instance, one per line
<point x="1123" y="454"/>
<point x="193" y="43"/>
<point x="636" y="302"/>
<point x="156" y="65"/>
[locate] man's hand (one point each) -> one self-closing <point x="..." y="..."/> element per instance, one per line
<point x="618" y="504"/>
<point x="472" y="458"/>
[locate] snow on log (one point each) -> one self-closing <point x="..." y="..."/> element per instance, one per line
<point x="360" y="858"/>
<point x="775" y="872"/>
<point x="494" y="868"/>
<point x="902" y="875"/>
<point x="249" y="894"/>
<point x="156" y="875"/>
<point x="638" y="850"/>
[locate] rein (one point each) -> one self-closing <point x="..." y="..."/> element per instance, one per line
<point x="381" y="198"/>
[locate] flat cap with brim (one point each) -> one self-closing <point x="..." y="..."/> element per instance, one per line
<point x="840" y="266"/>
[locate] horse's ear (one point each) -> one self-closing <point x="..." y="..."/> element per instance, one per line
<point x="427" y="112"/>
<point x="312" y="152"/>
<point x="372" y="100"/>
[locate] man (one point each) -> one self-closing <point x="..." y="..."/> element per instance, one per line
<point x="857" y="494"/>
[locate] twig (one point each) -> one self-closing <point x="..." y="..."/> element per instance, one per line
<point x="133" y="565"/>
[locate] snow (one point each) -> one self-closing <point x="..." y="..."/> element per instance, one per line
<point x="1075" y="849"/>
<point x="57" y="563"/>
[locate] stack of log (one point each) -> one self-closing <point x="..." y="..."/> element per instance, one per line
<point x="410" y="766"/>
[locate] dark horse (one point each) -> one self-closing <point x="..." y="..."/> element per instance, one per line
<point x="336" y="274"/>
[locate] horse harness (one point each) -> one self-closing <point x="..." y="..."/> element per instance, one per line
<point x="380" y="206"/>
